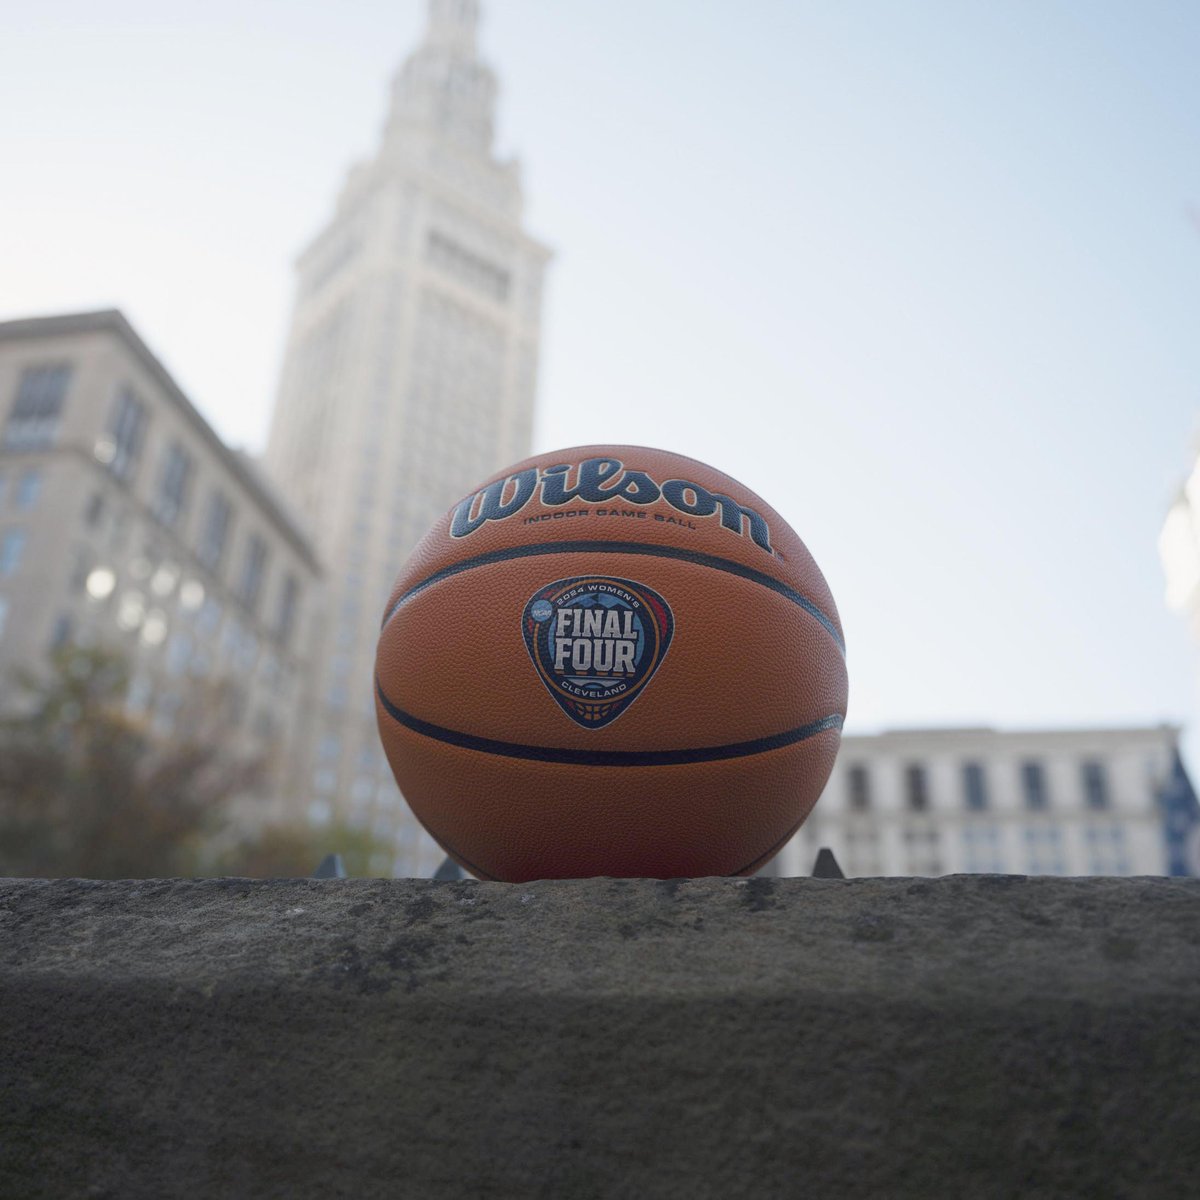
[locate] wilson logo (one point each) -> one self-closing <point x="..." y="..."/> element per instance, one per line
<point x="602" y="481"/>
<point x="595" y="643"/>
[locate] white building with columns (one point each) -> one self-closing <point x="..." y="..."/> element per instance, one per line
<point x="1036" y="802"/>
<point x="409" y="375"/>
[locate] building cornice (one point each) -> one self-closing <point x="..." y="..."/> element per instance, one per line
<point x="949" y="736"/>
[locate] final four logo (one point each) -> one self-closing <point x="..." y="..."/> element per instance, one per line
<point x="596" y="642"/>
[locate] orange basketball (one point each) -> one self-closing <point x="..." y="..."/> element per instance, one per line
<point x="611" y="661"/>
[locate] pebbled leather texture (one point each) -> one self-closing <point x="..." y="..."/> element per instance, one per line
<point x="755" y="653"/>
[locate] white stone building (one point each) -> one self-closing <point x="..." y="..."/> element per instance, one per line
<point x="126" y="522"/>
<point x="409" y="375"/>
<point x="943" y="801"/>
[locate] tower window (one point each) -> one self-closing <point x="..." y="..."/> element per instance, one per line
<point x="467" y="267"/>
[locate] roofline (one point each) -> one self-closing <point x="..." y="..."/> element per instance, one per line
<point x="988" y="731"/>
<point x="112" y="320"/>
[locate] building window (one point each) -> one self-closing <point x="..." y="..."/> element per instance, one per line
<point x="975" y="794"/>
<point x="118" y="532"/>
<point x="1095" y="785"/>
<point x="254" y="565"/>
<point x="215" y="533"/>
<point x="239" y="647"/>
<point x="923" y="849"/>
<point x="179" y="653"/>
<point x="82" y="569"/>
<point x="268" y="672"/>
<point x="12" y="546"/>
<point x="209" y="616"/>
<point x="862" y="852"/>
<point x="122" y="447"/>
<point x="858" y="785"/>
<point x="36" y="413"/>
<point x="1108" y="853"/>
<point x="173" y="485"/>
<point x="288" y="602"/>
<point x="28" y="487"/>
<point x="467" y="267"/>
<point x="61" y="634"/>
<point x="1044" y="850"/>
<point x="94" y="511"/>
<point x="981" y="849"/>
<point x="1033" y="787"/>
<point x="916" y="788"/>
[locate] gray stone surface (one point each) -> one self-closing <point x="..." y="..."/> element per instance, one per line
<point x="968" y="1037"/>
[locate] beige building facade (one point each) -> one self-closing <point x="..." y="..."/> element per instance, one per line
<point x="125" y="522"/>
<point x="1044" y="802"/>
<point x="409" y="375"/>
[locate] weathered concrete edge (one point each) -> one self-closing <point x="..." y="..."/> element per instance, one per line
<point x="982" y="1036"/>
<point x="1123" y="938"/>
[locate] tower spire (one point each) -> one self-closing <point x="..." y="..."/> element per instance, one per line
<point x="453" y="24"/>
<point x="443" y="90"/>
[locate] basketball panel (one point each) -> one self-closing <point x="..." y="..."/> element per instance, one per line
<point x="658" y="523"/>
<point x="743" y="662"/>
<point x="507" y="817"/>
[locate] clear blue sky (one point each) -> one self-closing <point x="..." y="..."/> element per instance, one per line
<point x="920" y="274"/>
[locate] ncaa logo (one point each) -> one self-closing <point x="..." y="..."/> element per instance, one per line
<point x="595" y="643"/>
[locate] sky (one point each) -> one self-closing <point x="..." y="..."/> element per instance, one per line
<point x="922" y="275"/>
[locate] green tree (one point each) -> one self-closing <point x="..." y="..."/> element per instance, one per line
<point x="87" y="789"/>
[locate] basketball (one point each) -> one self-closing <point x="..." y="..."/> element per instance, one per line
<point x="611" y="660"/>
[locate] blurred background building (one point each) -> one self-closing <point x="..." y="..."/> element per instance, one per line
<point x="1047" y="802"/>
<point x="409" y="375"/>
<point x="126" y="523"/>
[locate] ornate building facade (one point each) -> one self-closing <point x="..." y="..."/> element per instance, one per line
<point x="409" y="375"/>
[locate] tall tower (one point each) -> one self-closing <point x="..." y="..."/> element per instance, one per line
<point x="409" y="375"/>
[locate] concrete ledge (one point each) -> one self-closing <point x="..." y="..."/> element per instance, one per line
<point x="971" y="1036"/>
